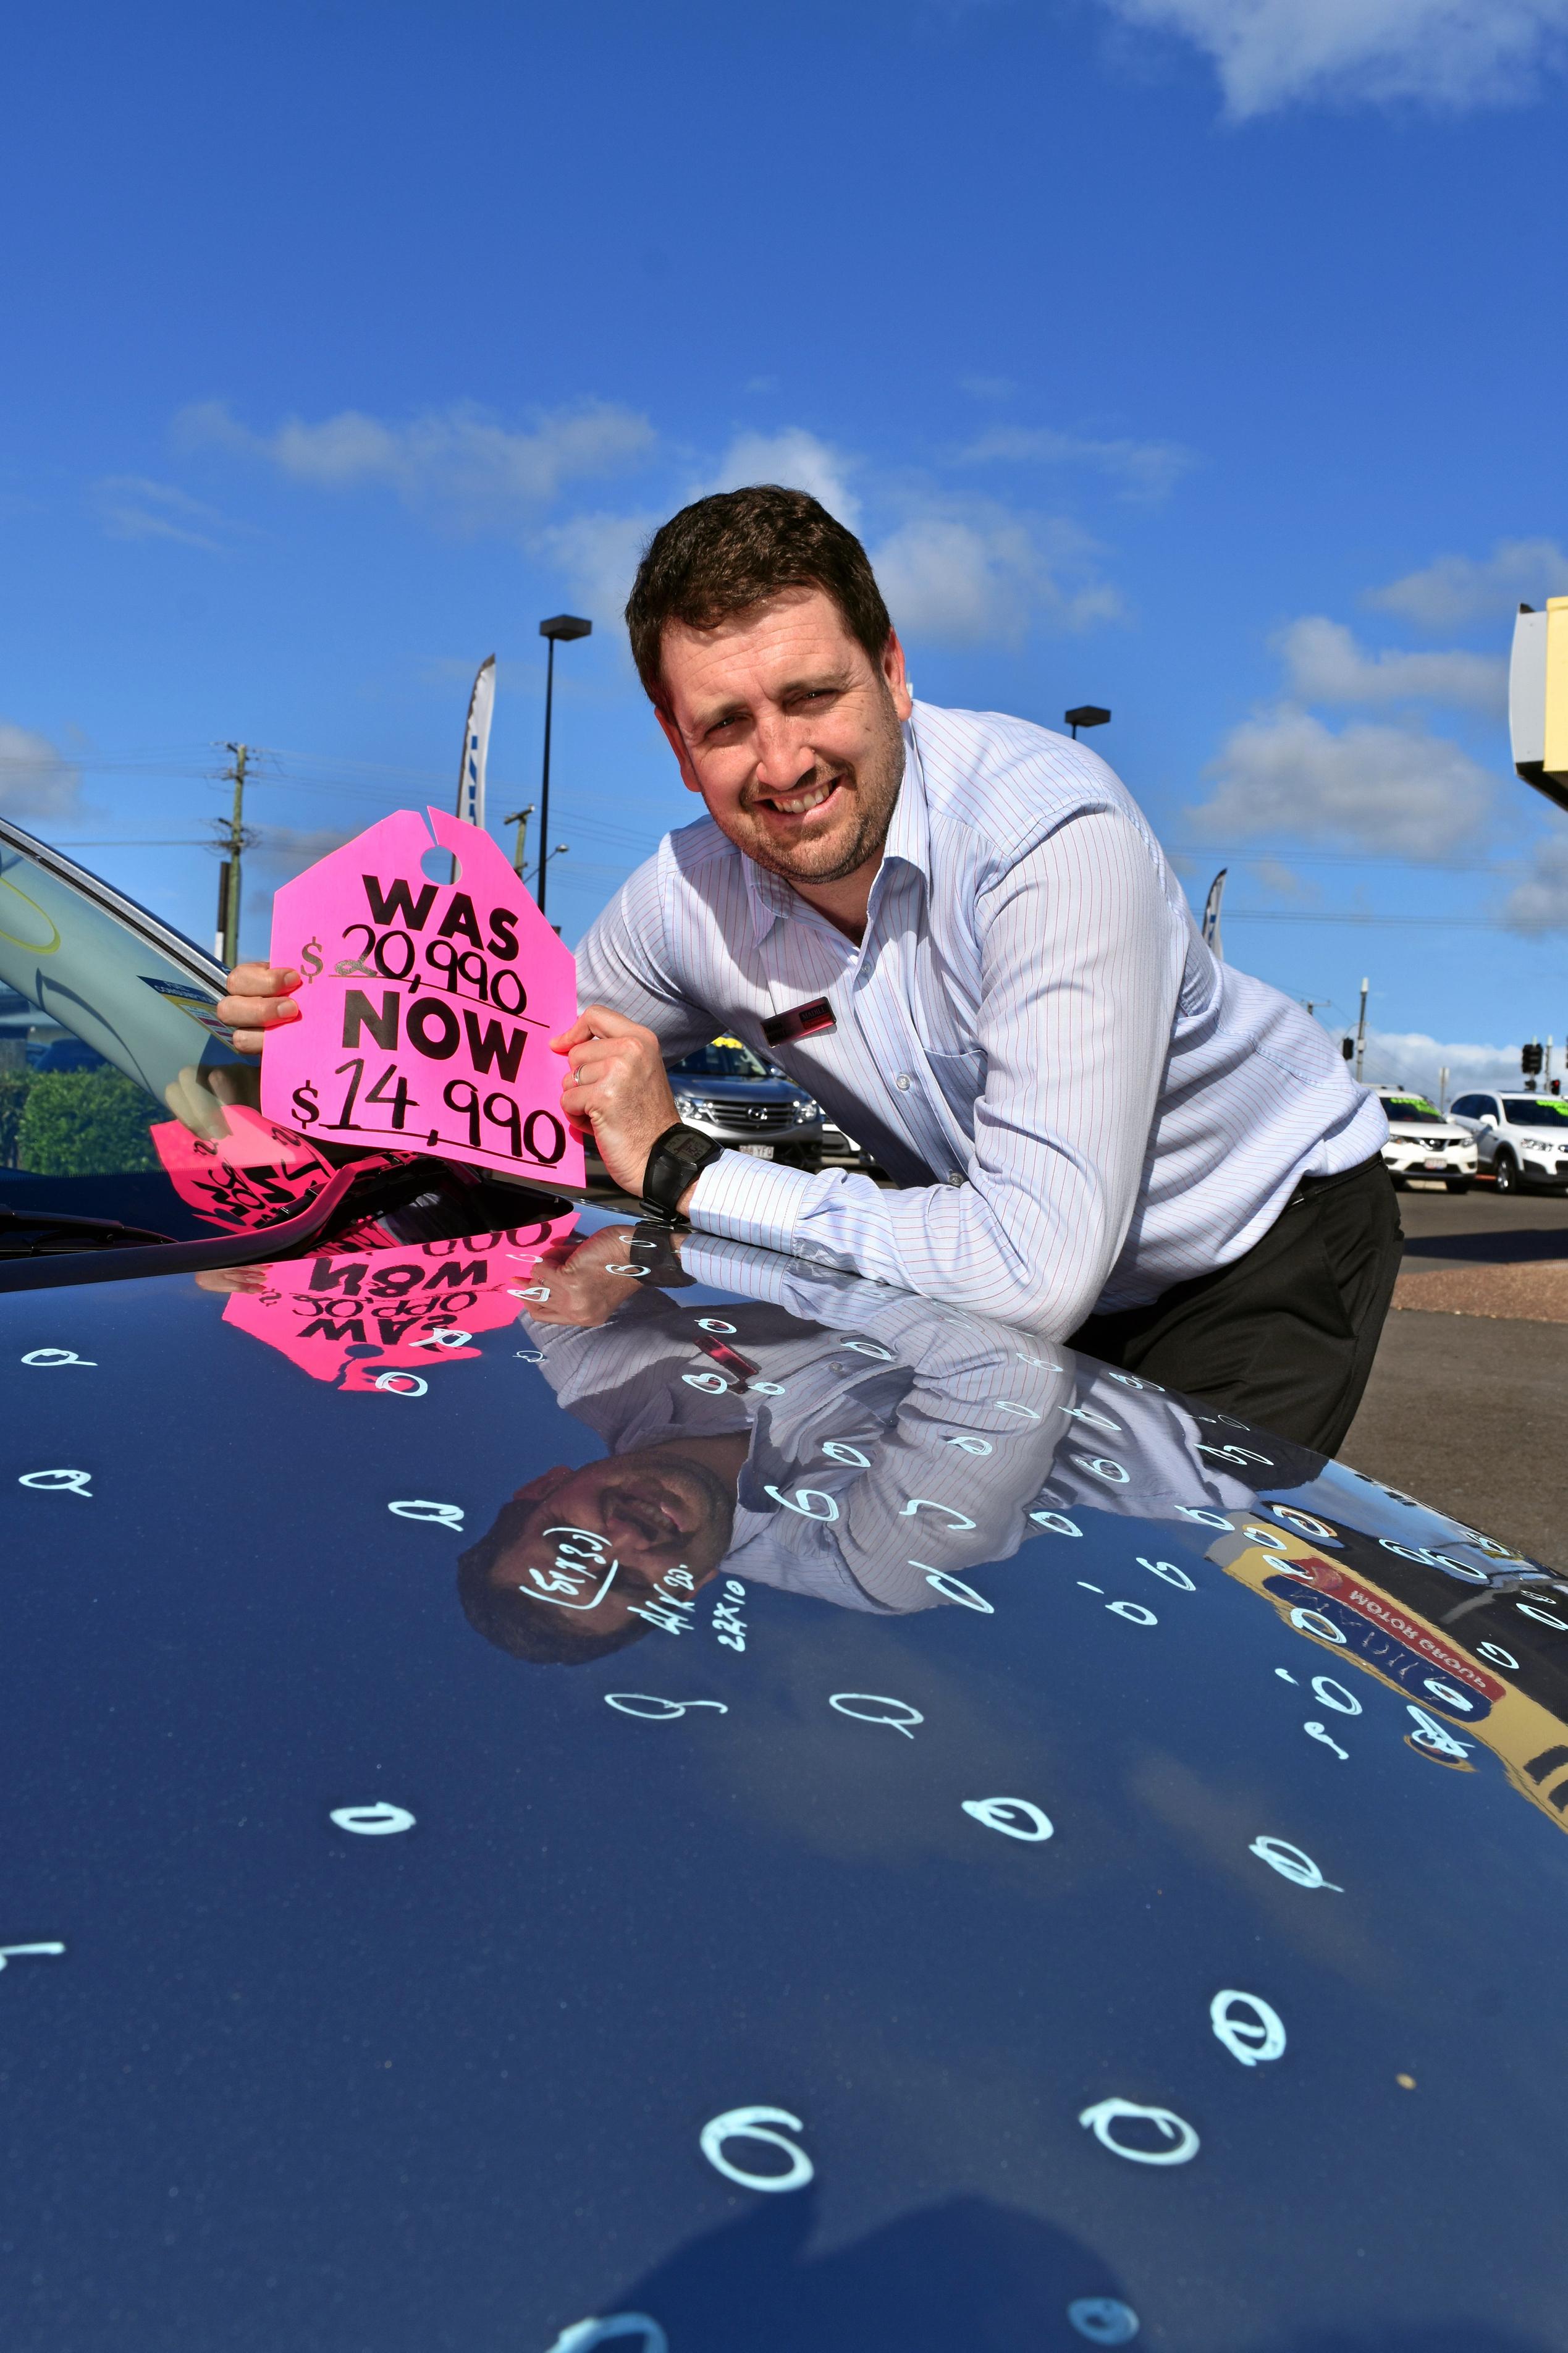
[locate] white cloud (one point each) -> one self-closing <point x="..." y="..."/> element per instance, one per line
<point x="598" y="555"/>
<point x="1409" y="1057"/>
<point x="970" y="574"/>
<point x="799" y="461"/>
<point x="1540" y="902"/>
<point x="1457" y="588"/>
<point x="131" y="507"/>
<point x="1145" y="469"/>
<point x="1326" y="665"/>
<point x="1283" y="880"/>
<point x="1443" y="53"/>
<point x="458" y="463"/>
<point x="36" y="780"/>
<point x="1376" y="786"/>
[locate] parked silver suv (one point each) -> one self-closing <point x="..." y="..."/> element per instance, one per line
<point x="1522" y="1141"/>
<point x="730" y="1092"/>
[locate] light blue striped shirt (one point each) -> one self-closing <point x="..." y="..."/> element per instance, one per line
<point x="1081" y="1105"/>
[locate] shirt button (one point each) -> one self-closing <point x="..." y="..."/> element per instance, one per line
<point x="903" y="1079"/>
<point x="955" y="1179"/>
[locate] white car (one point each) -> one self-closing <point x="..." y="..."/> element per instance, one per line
<point x="1423" y="1144"/>
<point x="1522" y="1141"/>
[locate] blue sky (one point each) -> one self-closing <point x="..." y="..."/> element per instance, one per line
<point x="1198" y="357"/>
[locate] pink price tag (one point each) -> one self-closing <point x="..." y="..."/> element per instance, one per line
<point x="426" y="1007"/>
<point x="378" y="1323"/>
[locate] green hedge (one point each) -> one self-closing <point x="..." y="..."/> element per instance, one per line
<point x="84" y="1124"/>
<point x="14" y="1087"/>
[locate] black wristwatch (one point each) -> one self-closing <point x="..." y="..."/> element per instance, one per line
<point x="677" y="1160"/>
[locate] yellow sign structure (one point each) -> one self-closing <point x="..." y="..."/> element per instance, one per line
<point x="1554" y="746"/>
<point x="1455" y="1695"/>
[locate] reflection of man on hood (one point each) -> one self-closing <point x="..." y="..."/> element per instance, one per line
<point x="828" y="1436"/>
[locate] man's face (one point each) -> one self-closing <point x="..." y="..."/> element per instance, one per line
<point x="649" y="1513"/>
<point x="790" y="731"/>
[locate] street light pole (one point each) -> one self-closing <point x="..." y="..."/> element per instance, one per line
<point x="1087" y="715"/>
<point x="564" y="625"/>
<point x="1361" y="1029"/>
<point x="520" y="818"/>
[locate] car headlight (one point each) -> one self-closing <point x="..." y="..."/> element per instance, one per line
<point x="685" y="1105"/>
<point x="809" y="1108"/>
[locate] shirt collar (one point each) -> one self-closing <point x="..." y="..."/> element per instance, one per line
<point x="909" y="843"/>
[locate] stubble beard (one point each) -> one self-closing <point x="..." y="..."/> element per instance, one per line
<point x="875" y="787"/>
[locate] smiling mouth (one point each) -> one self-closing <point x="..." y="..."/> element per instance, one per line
<point x="654" y="1514"/>
<point x="801" y="804"/>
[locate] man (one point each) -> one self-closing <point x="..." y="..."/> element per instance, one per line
<point x="957" y="930"/>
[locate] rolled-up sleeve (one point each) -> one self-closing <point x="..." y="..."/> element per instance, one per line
<point x="1081" y="960"/>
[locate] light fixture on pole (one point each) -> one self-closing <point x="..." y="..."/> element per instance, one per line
<point x="563" y="626"/>
<point x="1087" y="714"/>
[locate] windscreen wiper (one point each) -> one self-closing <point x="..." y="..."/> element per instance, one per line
<point x="44" y="1233"/>
<point x="361" y="1189"/>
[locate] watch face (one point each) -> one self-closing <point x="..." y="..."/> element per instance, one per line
<point x="690" y="1145"/>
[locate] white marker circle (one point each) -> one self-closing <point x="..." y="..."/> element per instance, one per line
<point x="805" y="1501"/>
<point x="57" y="1357"/>
<point x="379" y="1821"/>
<point x="1106" y="2114"/>
<point x="704" y="1323"/>
<point x="1169" y="1571"/>
<point x="1057" y="1523"/>
<point x="396" y="1383"/>
<point x="1541" y="1617"/>
<point x="1134" y="1611"/>
<point x="1001" y="1814"/>
<point x="583" y="2334"/>
<point x="953" y="1588"/>
<point x="1250" y="2040"/>
<point x="64" y="1482"/>
<point x="1100" y="1466"/>
<point x="1291" y="1864"/>
<point x="1103" y="2319"/>
<point x="1497" y="1655"/>
<point x="419" y="1507"/>
<point x="911" y="1716"/>
<point x="1204" y="1519"/>
<point x="711" y="1384"/>
<point x="1346" y="1704"/>
<point x="752" y="2124"/>
<point x="838" y="1450"/>
<point x="1313" y="1621"/>
<point x="653" y="1710"/>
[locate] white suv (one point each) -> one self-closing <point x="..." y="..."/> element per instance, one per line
<point x="1423" y="1144"/>
<point x="1521" y="1140"/>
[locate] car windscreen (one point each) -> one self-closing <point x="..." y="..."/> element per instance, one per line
<point x="1535" y="1111"/>
<point x="722" y="1058"/>
<point x="109" y="1026"/>
<point x="1408" y="1110"/>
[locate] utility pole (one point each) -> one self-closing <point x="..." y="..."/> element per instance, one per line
<point x="1443" y="1088"/>
<point x="563" y="628"/>
<point x="233" y="840"/>
<point x="520" y="818"/>
<point x="1361" y="1031"/>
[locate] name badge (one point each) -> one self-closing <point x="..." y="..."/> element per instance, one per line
<point x="800" y="1021"/>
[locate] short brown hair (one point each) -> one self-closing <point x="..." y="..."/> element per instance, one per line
<point x="512" y="1620"/>
<point x="725" y="552"/>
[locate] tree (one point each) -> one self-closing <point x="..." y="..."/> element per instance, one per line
<point x="85" y="1124"/>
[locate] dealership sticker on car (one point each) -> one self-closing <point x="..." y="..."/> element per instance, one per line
<point x="427" y="1003"/>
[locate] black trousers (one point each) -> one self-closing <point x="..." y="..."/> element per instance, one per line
<point x="1284" y="1336"/>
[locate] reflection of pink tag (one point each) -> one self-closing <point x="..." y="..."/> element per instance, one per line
<point x="426" y="1008"/>
<point x="253" y="1178"/>
<point x="379" y="1320"/>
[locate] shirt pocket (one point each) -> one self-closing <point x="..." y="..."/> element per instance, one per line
<point x="961" y="1079"/>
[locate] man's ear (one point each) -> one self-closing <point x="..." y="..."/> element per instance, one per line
<point x="896" y="676"/>
<point x="676" y="741"/>
<point x="539" y="1490"/>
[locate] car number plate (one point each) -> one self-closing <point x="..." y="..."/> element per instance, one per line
<point x="757" y="1151"/>
<point x="1437" y="1164"/>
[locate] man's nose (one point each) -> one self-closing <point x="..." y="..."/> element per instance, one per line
<point x="783" y="755"/>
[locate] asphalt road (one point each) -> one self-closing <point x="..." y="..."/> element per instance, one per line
<point x="1465" y="1406"/>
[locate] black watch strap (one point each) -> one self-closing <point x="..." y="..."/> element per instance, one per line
<point x="679" y="1156"/>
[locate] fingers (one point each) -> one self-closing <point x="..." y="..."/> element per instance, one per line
<point x="262" y="980"/>
<point x="599" y="1021"/>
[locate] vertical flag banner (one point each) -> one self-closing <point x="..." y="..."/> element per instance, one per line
<point x="477" y="745"/>
<point x="426" y="1007"/>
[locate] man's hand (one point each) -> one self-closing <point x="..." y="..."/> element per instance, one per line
<point x="619" y="1091"/>
<point x="581" y="1289"/>
<point x="260" y="998"/>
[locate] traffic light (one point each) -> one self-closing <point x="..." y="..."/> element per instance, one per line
<point x="1530" y="1059"/>
<point x="1347" y="1047"/>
